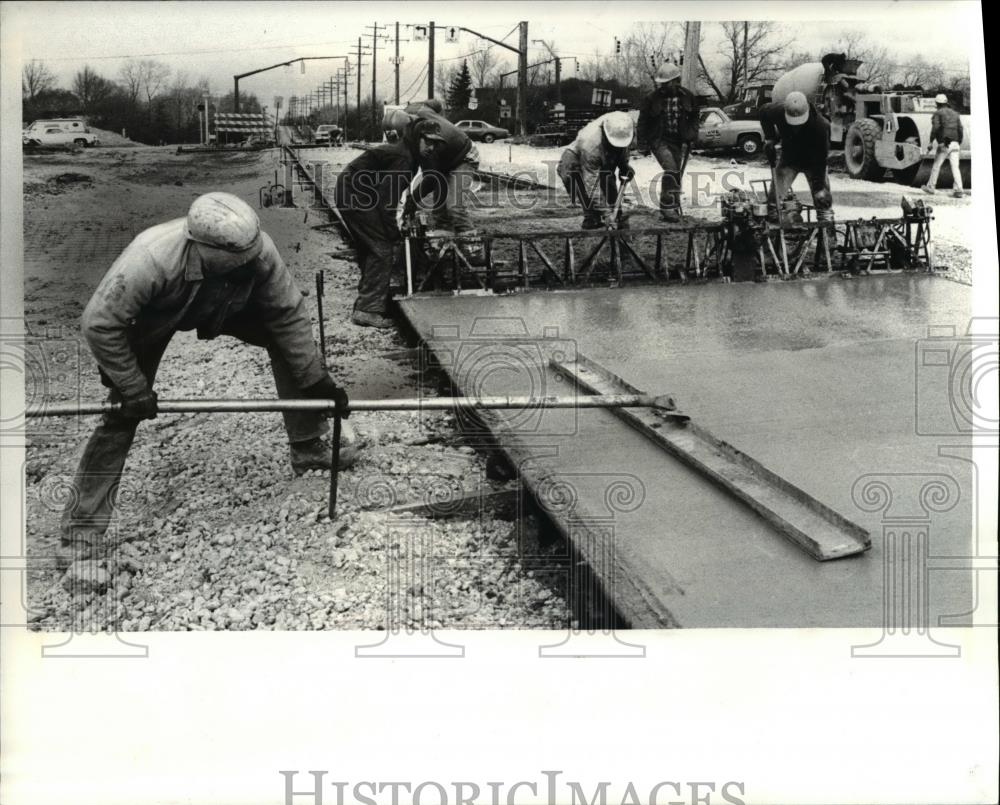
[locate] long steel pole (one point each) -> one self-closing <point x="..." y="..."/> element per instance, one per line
<point x="220" y="406"/>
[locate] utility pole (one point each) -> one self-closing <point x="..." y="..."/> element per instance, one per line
<point x="746" y="66"/>
<point x="395" y="61"/>
<point x="522" y="79"/>
<point x="359" y="89"/>
<point x="375" y="37"/>
<point x="689" y="72"/>
<point x="430" y="60"/>
<point x="558" y="62"/>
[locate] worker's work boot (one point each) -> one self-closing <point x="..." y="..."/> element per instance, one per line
<point x="671" y="216"/>
<point x="958" y="194"/>
<point x="928" y="189"/>
<point x="315" y="454"/>
<point x="363" y="318"/>
<point x="75" y="550"/>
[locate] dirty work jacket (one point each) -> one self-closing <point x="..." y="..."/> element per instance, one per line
<point x="596" y="154"/>
<point x="669" y="114"/>
<point x="157" y="287"/>
<point x="946" y="126"/>
<point x="456" y="146"/>
<point x="804" y="147"/>
<point x="375" y="181"/>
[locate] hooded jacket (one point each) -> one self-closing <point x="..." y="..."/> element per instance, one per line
<point x="157" y="286"/>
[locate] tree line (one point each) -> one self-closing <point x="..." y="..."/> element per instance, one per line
<point x="147" y="100"/>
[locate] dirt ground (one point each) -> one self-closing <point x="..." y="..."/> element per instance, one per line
<point x="214" y="531"/>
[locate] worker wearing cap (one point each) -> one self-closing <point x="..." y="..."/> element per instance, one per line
<point x="804" y="135"/>
<point x="587" y="167"/>
<point x="947" y="133"/>
<point x="449" y="171"/>
<point x="216" y="272"/>
<point x="668" y="125"/>
<point x="368" y="193"/>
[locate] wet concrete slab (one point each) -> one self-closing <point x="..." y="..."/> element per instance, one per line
<point x="816" y="379"/>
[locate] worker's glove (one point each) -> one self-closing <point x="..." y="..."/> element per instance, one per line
<point x="771" y="152"/>
<point x="140" y="406"/>
<point x="608" y="221"/>
<point x="326" y="389"/>
<point x="628" y="174"/>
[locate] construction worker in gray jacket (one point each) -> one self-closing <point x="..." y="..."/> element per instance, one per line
<point x="587" y="167"/>
<point x="668" y="125"/>
<point x="947" y="132"/>
<point x="216" y="272"/>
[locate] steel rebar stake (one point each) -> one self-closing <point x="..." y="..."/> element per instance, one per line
<point x="319" y="308"/>
<point x="334" y="466"/>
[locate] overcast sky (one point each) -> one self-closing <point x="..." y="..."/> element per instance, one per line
<point x="219" y="39"/>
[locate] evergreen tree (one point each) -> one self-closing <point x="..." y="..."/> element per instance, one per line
<point x="460" y="90"/>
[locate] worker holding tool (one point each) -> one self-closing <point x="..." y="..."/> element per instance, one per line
<point x="587" y="167"/>
<point x="804" y="135"/>
<point x="214" y="271"/>
<point x="947" y="133"/>
<point x="368" y="192"/>
<point x="668" y="125"/>
<point x="449" y="174"/>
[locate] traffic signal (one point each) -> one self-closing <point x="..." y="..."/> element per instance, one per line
<point x="618" y="46"/>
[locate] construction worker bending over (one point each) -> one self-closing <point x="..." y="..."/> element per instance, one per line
<point x="587" y="167"/>
<point x="668" y="125"/>
<point x="947" y="132"/>
<point x="215" y="272"/>
<point x="804" y="135"/>
<point x="368" y="191"/>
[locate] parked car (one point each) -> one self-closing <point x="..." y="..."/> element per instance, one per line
<point x="481" y="130"/>
<point x="328" y="133"/>
<point x="717" y="130"/>
<point x="61" y="131"/>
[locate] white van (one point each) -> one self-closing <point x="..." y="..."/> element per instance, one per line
<point x="59" y="131"/>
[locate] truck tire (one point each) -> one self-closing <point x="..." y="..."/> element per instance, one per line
<point x="859" y="150"/>
<point x="749" y="144"/>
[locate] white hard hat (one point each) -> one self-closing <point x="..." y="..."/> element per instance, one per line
<point x="941" y="98"/>
<point x="667" y="71"/>
<point x="796" y="108"/>
<point x="226" y="230"/>
<point x="618" y="128"/>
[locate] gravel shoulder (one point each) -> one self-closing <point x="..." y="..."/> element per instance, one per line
<point x="213" y="530"/>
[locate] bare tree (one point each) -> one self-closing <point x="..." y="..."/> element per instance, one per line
<point x="595" y="68"/>
<point x="91" y="88"/>
<point x="35" y="78"/>
<point x="647" y="46"/>
<point x="152" y="76"/>
<point x="918" y="72"/>
<point x="764" y="48"/>
<point x="131" y="76"/>
<point x="876" y="61"/>
<point x="483" y="64"/>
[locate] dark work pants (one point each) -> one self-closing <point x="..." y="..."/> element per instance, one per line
<point x="819" y="187"/>
<point x="670" y="156"/>
<point x="375" y="246"/>
<point x="88" y="513"/>
<point x="572" y="179"/>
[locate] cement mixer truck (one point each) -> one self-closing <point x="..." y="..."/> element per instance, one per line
<point x="878" y="131"/>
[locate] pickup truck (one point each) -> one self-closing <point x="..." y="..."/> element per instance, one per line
<point x="717" y="130"/>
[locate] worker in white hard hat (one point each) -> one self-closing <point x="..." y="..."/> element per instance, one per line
<point x="587" y="167"/>
<point x="216" y="272"/>
<point x="668" y="126"/>
<point x="804" y="135"/>
<point x="947" y="134"/>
